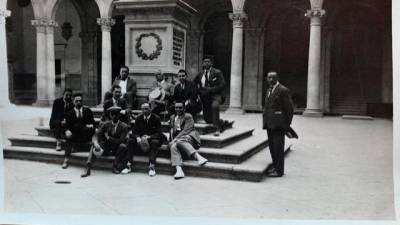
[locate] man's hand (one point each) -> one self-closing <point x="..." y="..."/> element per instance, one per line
<point x="107" y="136"/>
<point x="96" y="145"/>
<point x="68" y="134"/>
<point x="63" y="122"/>
<point x="138" y="139"/>
<point x="123" y="112"/>
<point x="187" y="102"/>
<point x="89" y="125"/>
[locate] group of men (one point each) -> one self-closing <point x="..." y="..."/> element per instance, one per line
<point x="123" y="136"/>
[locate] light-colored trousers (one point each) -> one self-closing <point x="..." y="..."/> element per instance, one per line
<point x="176" y="157"/>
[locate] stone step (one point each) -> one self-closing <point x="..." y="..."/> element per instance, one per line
<point x="226" y="138"/>
<point x="252" y="169"/>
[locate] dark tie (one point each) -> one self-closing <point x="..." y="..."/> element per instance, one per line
<point x="79" y="114"/>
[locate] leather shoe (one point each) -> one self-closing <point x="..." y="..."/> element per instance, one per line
<point x="274" y="174"/>
<point x="116" y="171"/>
<point x="65" y="164"/>
<point x="87" y="172"/>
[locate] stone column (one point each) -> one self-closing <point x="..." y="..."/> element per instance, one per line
<point x="235" y="104"/>
<point x="106" y="66"/>
<point x="314" y="58"/>
<point x="4" y="96"/>
<point x="50" y="60"/>
<point x="89" y="75"/>
<point x="41" y="66"/>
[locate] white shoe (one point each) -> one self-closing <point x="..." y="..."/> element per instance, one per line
<point x="126" y="170"/>
<point x="201" y="160"/>
<point x="152" y="172"/>
<point x="179" y="173"/>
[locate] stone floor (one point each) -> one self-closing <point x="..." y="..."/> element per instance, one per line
<point x="338" y="169"/>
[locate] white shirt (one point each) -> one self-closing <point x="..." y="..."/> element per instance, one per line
<point x="273" y="88"/>
<point x="123" y="84"/>
<point x="203" y="79"/>
<point x="114" y="102"/>
<point x="146" y="118"/>
<point x="77" y="112"/>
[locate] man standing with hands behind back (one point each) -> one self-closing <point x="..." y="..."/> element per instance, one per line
<point x="211" y="83"/>
<point x="277" y="117"/>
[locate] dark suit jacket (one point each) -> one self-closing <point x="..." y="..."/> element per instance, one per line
<point x="278" y="109"/>
<point x="187" y="128"/>
<point x="58" y="112"/>
<point x="152" y="128"/>
<point x="130" y="87"/>
<point x="116" y="138"/>
<point x="109" y="103"/>
<point x="78" y="126"/>
<point x="216" y="81"/>
<point x="189" y="93"/>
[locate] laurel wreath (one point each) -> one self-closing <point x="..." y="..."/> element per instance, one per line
<point x="155" y="53"/>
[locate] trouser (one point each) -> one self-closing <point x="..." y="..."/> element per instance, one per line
<point x="58" y="129"/>
<point x="176" y="148"/>
<point x="211" y="110"/>
<point x="120" y="152"/>
<point x="79" y="139"/>
<point x="276" y="143"/>
<point x="152" y="152"/>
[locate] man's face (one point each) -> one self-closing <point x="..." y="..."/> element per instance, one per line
<point x="124" y="73"/>
<point x="114" y="115"/>
<point x="159" y="77"/>
<point x="179" y="108"/>
<point x="68" y="96"/>
<point x="182" y="77"/>
<point x="207" y="64"/>
<point x="117" y="93"/>
<point x="78" y="102"/>
<point x="146" y="109"/>
<point x="272" y="78"/>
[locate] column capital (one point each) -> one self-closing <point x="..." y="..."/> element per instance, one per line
<point x="238" y="18"/>
<point x="44" y="25"/>
<point x="3" y="15"/>
<point x="315" y="13"/>
<point x="106" y="23"/>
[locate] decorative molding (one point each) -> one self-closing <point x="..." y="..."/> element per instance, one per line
<point x="106" y="23"/>
<point x="155" y="53"/>
<point x="237" y="19"/>
<point x="3" y="15"/>
<point x="44" y="22"/>
<point x="315" y="13"/>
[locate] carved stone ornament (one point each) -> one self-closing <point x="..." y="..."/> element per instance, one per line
<point x="238" y="18"/>
<point x="145" y="56"/>
<point x="315" y="13"/>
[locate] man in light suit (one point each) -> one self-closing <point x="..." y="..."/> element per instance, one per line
<point x="185" y="138"/>
<point x="277" y="117"/>
<point x="211" y="84"/>
<point x="128" y="88"/>
<point x="79" y="127"/>
<point x="160" y="82"/>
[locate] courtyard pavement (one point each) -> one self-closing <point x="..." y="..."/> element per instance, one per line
<point x="338" y="169"/>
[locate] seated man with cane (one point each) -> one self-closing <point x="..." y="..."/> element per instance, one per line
<point x="110" y="140"/>
<point x="184" y="138"/>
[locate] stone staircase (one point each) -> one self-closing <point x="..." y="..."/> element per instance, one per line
<point x="235" y="154"/>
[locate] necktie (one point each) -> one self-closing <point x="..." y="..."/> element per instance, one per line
<point x="207" y="83"/>
<point x="79" y="114"/>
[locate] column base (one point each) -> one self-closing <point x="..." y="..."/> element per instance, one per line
<point x="41" y="103"/>
<point x="234" y="110"/>
<point x="313" y="113"/>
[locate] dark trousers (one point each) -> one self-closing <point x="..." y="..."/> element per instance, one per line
<point x="211" y="109"/>
<point x="129" y="97"/>
<point x="276" y="143"/>
<point x="79" y="139"/>
<point x="152" y="152"/>
<point x="57" y="128"/>
<point x="120" y="152"/>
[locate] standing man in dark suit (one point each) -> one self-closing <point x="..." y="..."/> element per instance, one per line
<point x="185" y="138"/>
<point x="79" y="127"/>
<point x="186" y="91"/>
<point x="211" y="83"/>
<point x="57" y="120"/>
<point x="116" y="100"/>
<point x="128" y="88"/>
<point x="147" y="135"/>
<point x="277" y="117"/>
<point x="110" y="139"/>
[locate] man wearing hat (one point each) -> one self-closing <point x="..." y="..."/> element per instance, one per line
<point x="161" y="93"/>
<point x="110" y="140"/>
<point x="79" y="127"/>
<point x="147" y="135"/>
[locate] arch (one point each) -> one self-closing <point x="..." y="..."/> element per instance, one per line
<point x="106" y="8"/>
<point x="211" y="8"/>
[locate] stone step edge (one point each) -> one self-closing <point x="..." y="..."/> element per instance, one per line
<point x="211" y="169"/>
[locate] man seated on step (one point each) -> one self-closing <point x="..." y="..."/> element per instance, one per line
<point x="161" y="93"/>
<point x="185" y="138"/>
<point x="116" y="100"/>
<point x="110" y="140"/>
<point x="79" y="123"/>
<point x="128" y="88"/>
<point x="57" y="120"/>
<point x="147" y="136"/>
<point x="186" y="91"/>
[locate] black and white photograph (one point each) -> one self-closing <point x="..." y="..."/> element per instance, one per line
<point x="211" y="109"/>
